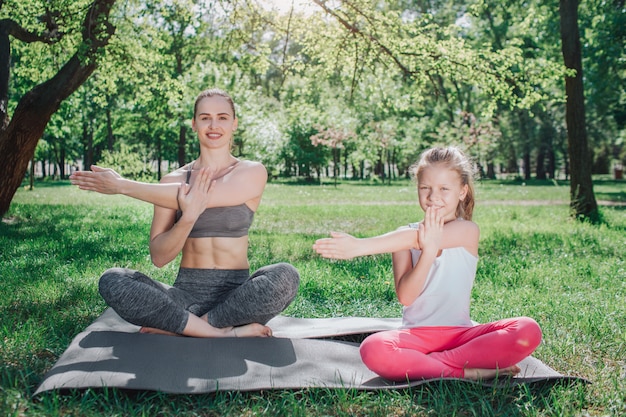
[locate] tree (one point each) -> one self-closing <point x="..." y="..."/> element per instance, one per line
<point x="334" y="139"/>
<point x="582" y="199"/>
<point x="604" y="63"/>
<point x="20" y="133"/>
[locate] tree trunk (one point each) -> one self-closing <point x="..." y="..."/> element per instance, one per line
<point x="551" y="164"/>
<point x="512" y="165"/>
<point x="548" y="138"/>
<point x="5" y="71"/>
<point x="527" y="169"/>
<point x="582" y="199"/>
<point x="491" y="170"/>
<point x="61" y="158"/>
<point x="159" y="156"/>
<point x="19" y="138"/>
<point x="389" y="173"/>
<point x="182" y="144"/>
<point x="109" y="118"/>
<point x="88" y="157"/>
<point x="540" y="171"/>
<point x="32" y="175"/>
<point x="526" y="140"/>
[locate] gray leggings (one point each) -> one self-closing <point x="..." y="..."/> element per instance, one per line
<point x="229" y="297"/>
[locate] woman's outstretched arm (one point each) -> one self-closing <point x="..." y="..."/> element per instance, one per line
<point x="107" y="181"/>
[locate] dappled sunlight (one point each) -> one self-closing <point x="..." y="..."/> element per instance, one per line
<point x="533" y="260"/>
<point x="284" y="7"/>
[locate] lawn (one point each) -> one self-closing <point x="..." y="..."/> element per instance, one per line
<point x="534" y="260"/>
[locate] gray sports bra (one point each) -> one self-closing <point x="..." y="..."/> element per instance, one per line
<point x="232" y="221"/>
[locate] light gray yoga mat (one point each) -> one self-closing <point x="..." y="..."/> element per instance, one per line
<point x="302" y="353"/>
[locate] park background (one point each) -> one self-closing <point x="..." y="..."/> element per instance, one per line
<point x="337" y="99"/>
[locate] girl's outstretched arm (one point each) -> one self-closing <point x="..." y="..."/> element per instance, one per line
<point x="345" y="246"/>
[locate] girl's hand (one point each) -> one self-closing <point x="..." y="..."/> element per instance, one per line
<point x="99" y="179"/>
<point x="338" y="246"/>
<point x="194" y="199"/>
<point x="430" y="233"/>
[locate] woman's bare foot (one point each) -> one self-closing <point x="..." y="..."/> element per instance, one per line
<point x="152" y="330"/>
<point x="252" y="330"/>
<point x="248" y="330"/>
<point x="200" y="327"/>
<point x="477" y="374"/>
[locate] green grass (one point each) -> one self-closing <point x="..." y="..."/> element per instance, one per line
<point x="534" y="261"/>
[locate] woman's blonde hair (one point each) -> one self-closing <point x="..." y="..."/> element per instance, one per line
<point x="453" y="158"/>
<point x="212" y="92"/>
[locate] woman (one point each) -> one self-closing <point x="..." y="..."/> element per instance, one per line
<point x="203" y="209"/>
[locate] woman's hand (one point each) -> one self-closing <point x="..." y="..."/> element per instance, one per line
<point x="99" y="179"/>
<point x="194" y="199"/>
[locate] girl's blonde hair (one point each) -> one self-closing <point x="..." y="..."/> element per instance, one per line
<point x="454" y="159"/>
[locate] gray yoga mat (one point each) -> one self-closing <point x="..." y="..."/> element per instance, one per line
<point x="303" y="353"/>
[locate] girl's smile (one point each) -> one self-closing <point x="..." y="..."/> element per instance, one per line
<point x="440" y="187"/>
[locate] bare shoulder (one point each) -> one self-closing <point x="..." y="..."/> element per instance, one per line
<point x="462" y="224"/>
<point x="464" y="233"/>
<point x="470" y="226"/>
<point x="252" y="167"/>
<point x="177" y="176"/>
<point x="250" y="172"/>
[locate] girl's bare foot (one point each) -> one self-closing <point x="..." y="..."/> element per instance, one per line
<point x="477" y="374"/>
<point x="152" y="330"/>
<point x="252" y="330"/>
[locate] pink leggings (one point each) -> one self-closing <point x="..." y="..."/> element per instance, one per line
<point x="445" y="351"/>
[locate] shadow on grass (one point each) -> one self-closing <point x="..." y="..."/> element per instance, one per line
<point x="50" y="239"/>
<point x="613" y="197"/>
<point x="441" y="397"/>
<point x="36" y="332"/>
<point x="437" y="398"/>
<point x="59" y="233"/>
<point x="51" y="259"/>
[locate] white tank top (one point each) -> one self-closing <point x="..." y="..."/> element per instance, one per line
<point x="445" y="300"/>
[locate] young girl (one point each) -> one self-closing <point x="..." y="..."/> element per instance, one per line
<point x="204" y="210"/>
<point x="434" y="265"/>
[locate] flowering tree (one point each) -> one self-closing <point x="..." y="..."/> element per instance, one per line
<point x="332" y="138"/>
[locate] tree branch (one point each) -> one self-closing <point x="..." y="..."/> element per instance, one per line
<point x="9" y="27"/>
<point x="355" y="30"/>
<point x="12" y="28"/>
<point x="19" y="137"/>
<point x="396" y="57"/>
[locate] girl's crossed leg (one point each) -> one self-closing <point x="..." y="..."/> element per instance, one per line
<point x="478" y="352"/>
